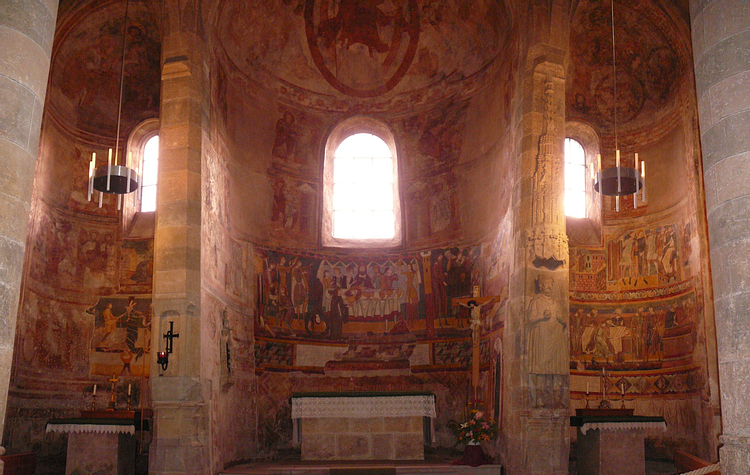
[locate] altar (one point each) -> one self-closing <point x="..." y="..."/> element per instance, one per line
<point x="100" y="442"/>
<point x="363" y="426"/>
<point x="611" y="442"/>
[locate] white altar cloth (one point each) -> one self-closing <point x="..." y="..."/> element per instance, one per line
<point x="622" y="425"/>
<point x="366" y="406"/>
<point x="73" y="427"/>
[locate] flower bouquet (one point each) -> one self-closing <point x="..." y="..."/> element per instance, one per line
<point x="476" y="429"/>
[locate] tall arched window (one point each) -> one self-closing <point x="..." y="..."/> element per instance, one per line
<point x="361" y="186"/>
<point x="148" y="175"/>
<point x="575" y="179"/>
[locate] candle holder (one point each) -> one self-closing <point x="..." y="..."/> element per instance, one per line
<point x="111" y="406"/>
<point x="93" y="402"/>
<point x="587" y="400"/>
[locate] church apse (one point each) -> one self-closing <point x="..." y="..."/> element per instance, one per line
<point x="638" y="327"/>
<point x="390" y="322"/>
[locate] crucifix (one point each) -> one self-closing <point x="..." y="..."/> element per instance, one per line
<point x="475" y="304"/>
<point x="112" y="393"/>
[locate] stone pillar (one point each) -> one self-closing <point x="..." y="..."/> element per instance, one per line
<point x="721" y="41"/>
<point x="27" y="28"/>
<point x="537" y="352"/>
<point x="180" y="396"/>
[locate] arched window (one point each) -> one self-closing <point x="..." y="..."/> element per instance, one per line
<point x="150" y="169"/>
<point x="575" y="179"/>
<point x="361" y="181"/>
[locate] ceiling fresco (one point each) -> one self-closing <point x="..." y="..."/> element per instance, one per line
<point x="650" y="65"/>
<point x="361" y="48"/>
<point x="87" y="65"/>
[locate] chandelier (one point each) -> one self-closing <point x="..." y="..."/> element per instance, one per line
<point x="619" y="180"/>
<point x="115" y="178"/>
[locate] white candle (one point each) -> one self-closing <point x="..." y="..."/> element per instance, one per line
<point x="94" y="394"/>
<point x="622" y="389"/>
<point x="109" y="165"/>
<point x="587" y="388"/>
<point x="617" y="158"/>
<point x="599" y="161"/>
<point x="129" y="389"/>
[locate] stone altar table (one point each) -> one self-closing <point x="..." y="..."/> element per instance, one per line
<point x="362" y="426"/>
<point x="101" y="445"/>
<point x="613" y="444"/>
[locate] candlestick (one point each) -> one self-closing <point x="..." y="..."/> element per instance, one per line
<point x="129" y="387"/>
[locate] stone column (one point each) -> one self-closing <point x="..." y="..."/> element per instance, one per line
<point x="721" y="42"/>
<point x="27" y="28"/>
<point x="180" y="396"/>
<point x="537" y="352"/>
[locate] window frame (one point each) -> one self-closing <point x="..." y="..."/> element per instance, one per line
<point x="342" y="131"/>
<point x="140" y="135"/>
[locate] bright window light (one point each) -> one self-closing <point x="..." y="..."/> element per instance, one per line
<point x="363" y="205"/>
<point x="575" y="179"/>
<point x="148" y="176"/>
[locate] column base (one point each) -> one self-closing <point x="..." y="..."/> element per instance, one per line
<point x="734" y="455"/>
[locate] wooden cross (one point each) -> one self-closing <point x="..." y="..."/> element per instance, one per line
<point x="475" y="304"/>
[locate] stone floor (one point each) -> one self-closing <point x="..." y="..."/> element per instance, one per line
<point x="653" y="467"/>
<point x="434" y="463"/>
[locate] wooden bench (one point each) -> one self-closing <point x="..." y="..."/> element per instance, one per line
<point x="684" y="462"/>
<point x="19" y="464"/>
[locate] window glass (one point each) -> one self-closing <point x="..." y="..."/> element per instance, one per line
<point x="575" y="179"/>
<point x="363" y="178"/>
<point x="150" y="171"/>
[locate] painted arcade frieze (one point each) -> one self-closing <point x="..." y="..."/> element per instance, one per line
<point x="634" y="335"/>
<point x="377" y="309"/>
<point x="645" y="258"/>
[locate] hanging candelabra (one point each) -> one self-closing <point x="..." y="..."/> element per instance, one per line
<point x="619" y="180"/>
<point x="115" y="178"/>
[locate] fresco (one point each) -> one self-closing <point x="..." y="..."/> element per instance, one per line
<point x="367" y="314"/>
<point x="439" y="134"/>
<point x="74" y="256"/>
<point x="50" y="335"/>
<point x="648" y="65"/>
<point x="121" y="340"/>
<point x="89" y="68"/>
<point x="333" y="298"/>
<point x="646" y="257"/>
<point x="642" y="258"/>
<point x="294" y="149"/>
<point x="634" y="335"/>
<point x="136" y="266"/>
<point x="294" y="209"/>
<point x="362" y="49"/>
